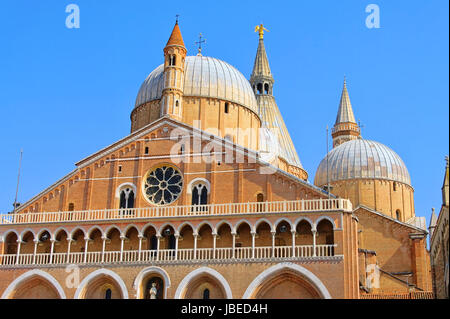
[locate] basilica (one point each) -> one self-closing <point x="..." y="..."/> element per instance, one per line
<point x="207" y="198"/>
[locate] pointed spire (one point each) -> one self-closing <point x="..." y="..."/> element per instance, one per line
<point x="433" y="222"/>
<point x="175" y="37"/>
<point x="261" y="68"/>
<point x="345" y="112"/>
<point x="446" y="185"/>
<point x="446" y="177"/>
<point x="433" y="219"/>
<point x="345" y="128"/>
<point x="271" y="119"/>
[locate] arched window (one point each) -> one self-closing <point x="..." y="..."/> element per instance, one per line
<point x="146" y="150"/>
<point x="126" y="198"/>
<point x="266" y="88"/>
<point x="397" y="214"/>
<point x="108" y="293"/>
<point x="199" y="194"/>
<point x="394" y="186"/>
<point x="206" y="294"/>
<point x="227" y="107"/>
<point x="177" y="103"/>
<point x="325" y="236"/>
<point x="11" y="244"/>
<point x="260" y="199"/>
<point x="182" y="149"/>
<point x="172" y="60"/>
<point x="71" y="207"/>
<point x="259" y="88"/>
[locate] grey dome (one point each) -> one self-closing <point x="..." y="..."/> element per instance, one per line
<point x="204" y="77"/>
<point x="362" y="159"/>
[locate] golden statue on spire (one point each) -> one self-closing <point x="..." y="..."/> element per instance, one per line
<point x="260" y="28"/>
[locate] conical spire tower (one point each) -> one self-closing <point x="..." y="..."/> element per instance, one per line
<point x="174" y="60"/>
<point x="175" y="38"/>
<point x="261" y="70"/>
<point x="345" y="128"/>
<point x="283" y="154"/>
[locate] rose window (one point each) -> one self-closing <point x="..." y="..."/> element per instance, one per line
<point x="163" y="185"/>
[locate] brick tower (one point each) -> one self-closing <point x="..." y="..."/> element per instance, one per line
<point x="174" y="59"/>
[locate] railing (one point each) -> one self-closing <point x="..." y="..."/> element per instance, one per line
<point x="405" y="295"/>
<point x="180" y="211"/>
<point x="168" y="255"/>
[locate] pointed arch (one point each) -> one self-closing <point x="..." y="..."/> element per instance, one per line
<point x="146" y="226"/>
<point x="125" y="185"/>
<point x="129" y="226"/>
<point x="318" y="220"/>
<point x="221" y="223"/>
<point x="197" y="181"/>
<point x="105" y="272"/>
<point x="93" y="228"/>
<point x="59" y="230"/>
<point x="38" y="235"/>
<point x="28" y="275"/>
<point x="203" y="271"/>
<point x="110" y="228"/>
<point x="25" y="231"/>
<point x="76" y="229"/>
<point x="259" y="221"/>
<point x="8" y="232"/>
<point x="163" y="226"/>
<point x="303" y="218"/>
<point x="280" y="220"/>
<point x="305" y="273"/>
<point x="239" y="223"/>
<point x="182" y="225"/>
<point x="203" y="223"/>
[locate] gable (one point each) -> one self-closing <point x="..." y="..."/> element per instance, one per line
<point x="128" y="160"/>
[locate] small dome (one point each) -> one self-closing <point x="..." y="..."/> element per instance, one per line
<point x="204" y="77"/>
<point x="362" y="159"/>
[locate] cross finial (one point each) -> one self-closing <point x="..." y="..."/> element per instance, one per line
<point x="446" y="161"/>
<point x="177" y="16"/>
<point x="199" y="42"/>
<point x="360" y="127"/>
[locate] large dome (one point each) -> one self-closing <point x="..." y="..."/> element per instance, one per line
<point x="362" y="159"/>
<point x="205" y="77"/>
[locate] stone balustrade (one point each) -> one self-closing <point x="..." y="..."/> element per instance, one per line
<point x="171" y="256"/>
<point x="314" y="205"/>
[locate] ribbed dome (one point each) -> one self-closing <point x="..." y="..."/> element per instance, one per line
<point x="362" y="159"/>
<point x="205" y="77"/>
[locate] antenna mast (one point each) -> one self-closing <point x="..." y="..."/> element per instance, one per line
<point x="18" y="178"/>
<point x="328" y="176"/>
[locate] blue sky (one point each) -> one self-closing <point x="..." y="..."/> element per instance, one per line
<point x="66" y="93"/>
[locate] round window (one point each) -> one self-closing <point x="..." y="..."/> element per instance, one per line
<point x="163" y="185"/>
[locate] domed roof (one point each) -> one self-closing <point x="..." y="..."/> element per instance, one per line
<point x="205" y="77"/>
<point x="362" y="159"/>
